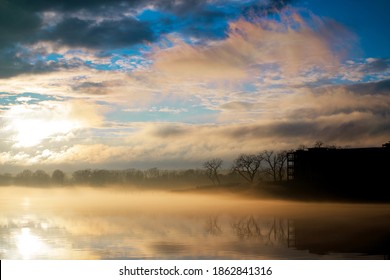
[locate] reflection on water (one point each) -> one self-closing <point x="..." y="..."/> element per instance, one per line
<point x="102" y="224"/>
<point x="365" y="235"/>
<point x="28" y="244"/>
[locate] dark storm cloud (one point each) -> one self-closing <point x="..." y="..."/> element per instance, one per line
<point x="174" y="6"/>
<point x="67" y="5"/>
<point x="76" y="32"/>
<point x="21" y="21"/>
<point x="16" y="24"/>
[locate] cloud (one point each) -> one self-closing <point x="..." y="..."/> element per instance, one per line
<point x="31" y="60"/>
<point x="94" y="153"/>
<point x="295" y="48"/>
<point x="332" y="100"/>
<point x="178" y="145"/>
<point x="371" y="88"/>
<point x="106" y="25"/>
<point x="28" y="125"/>
<point x="113" y="34"/>
<point x="34" y="12"/>
<point x="376" y="65"/>
<point x="238" y="106"/>
<point x="89" y="84"/>
<point x="74" y="5"/>
<point x="265" y="8"/>
<point x="92" y="87"/>
<point x="339" y="128"/>
<point x="16" y="24"/>
<point x="263" y="83"/>
<point x="371" y="68"/>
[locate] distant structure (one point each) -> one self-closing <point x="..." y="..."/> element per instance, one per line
<point x="352" y="171"/>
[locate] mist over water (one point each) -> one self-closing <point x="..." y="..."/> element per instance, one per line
<point x="119" y="223"/>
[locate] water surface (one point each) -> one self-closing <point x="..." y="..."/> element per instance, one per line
<point x="112" y="223"/>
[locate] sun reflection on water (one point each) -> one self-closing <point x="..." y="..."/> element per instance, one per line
<point x="29" y="245"/>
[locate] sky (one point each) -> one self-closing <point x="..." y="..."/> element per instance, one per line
<point x="122" y="84"/>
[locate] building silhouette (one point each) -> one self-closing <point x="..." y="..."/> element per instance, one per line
<point x="352" y="172"/>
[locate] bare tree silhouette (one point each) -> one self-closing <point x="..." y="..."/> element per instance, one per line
<point x="276" y="162"/>
<point x="212" y="167"/>
<point x="318" y="144"/>
<point x="248" y="166"/>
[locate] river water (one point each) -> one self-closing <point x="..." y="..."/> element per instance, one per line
<point x="113" y="223"/>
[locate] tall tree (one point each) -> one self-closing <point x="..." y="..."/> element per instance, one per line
<point x="58" y="177"/>
<point x="40" y="177"/>
<point x="271" y="160"/>
<point x="212" y="167"/>
<point x="276" y="164"/>
<point x="24" y="177"/>
<point x="248" y="165"/>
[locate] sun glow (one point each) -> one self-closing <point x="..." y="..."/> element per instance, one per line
<point x="29" y="244"/>
<point x="32" y="132"/>
<point x="31" y="124"/>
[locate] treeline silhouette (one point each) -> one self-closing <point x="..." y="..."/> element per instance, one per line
<point x="268" y="166"/>
<point x="102" y="177"/>
<point x="246" y="168"/>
